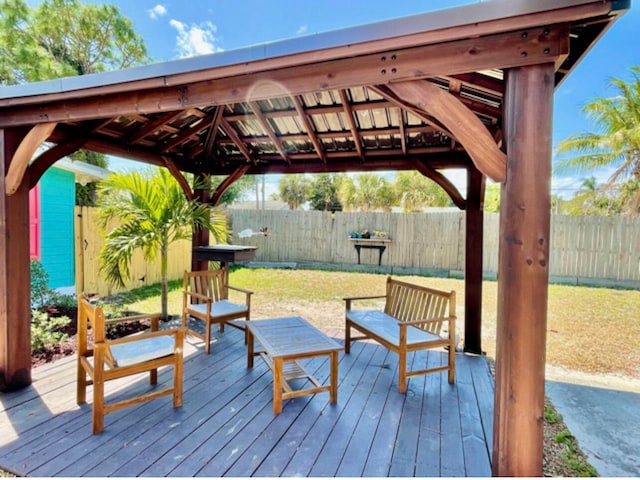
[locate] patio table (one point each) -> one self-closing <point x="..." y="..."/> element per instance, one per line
<point x="284" y="342"/>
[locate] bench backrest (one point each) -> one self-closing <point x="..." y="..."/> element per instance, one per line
<point x="408" y="302"/>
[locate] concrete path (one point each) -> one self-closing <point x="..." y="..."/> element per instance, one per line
<point x="603" y="413"/>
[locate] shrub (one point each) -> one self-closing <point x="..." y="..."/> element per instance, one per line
<point x="45" y="330"/>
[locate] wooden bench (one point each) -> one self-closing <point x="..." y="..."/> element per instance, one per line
<point x="413" y="319"/>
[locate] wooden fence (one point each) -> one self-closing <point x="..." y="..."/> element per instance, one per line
<point x="89" y="238"/>
<point x="584" y="250"/>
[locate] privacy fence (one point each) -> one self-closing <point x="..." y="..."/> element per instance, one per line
<point x="584" y="250"/>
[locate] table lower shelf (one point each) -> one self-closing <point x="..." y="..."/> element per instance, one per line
<point x="293" y="370"/>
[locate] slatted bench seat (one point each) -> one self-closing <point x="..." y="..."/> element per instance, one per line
<point x="413" y="319"/>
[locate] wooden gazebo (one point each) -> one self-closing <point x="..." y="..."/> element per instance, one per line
<point x="470" y="87"/>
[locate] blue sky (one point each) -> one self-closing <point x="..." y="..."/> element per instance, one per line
<point x="179" y="28"/>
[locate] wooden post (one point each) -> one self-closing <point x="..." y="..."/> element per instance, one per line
<point x="200" y="235"/>
<point x="473" y="261"/>
<point x="523" y="273"/>
<point x="15" y="296"/>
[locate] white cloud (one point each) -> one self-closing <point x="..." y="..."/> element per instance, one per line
<point x="157" y="12"/>
<point x="302" y="30"/>
<point x="195" y="39"/>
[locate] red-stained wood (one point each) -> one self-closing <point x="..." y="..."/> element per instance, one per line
<point x="304" y="118"/>
<point x="459" y="120"/>
<point x="15" y="309"/>
<point x="348" y="113"/>
<point x="443" y="182"/>
<point x="462" y="56"/>
<point x="227" y="182"/>
<point x="180" y="178"/>
<point x="268" y="129"/>
<point x="473" y="261"/>
<point x="523" y="273"/>
<point x="201" y="235"/>
<point x="19" y="163"/>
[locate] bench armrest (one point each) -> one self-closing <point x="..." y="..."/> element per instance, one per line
<point x="348" y="300"/>
<point x="242" y="290"/>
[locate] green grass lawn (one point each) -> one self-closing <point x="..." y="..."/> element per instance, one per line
<point x="594" y="330"/>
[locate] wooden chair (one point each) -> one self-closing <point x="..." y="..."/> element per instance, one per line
<point x="206" y="297"/>
<point x="111" y="359"/>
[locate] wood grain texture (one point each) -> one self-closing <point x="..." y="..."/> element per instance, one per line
<point x="524" y="273"/>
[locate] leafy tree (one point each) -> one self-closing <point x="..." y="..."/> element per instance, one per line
<point x="617" y="141"/>
<point x="323" y="192"/>
<point x="153" y="213"/>
<point x="417" y="192"/>
<point x="294" y="189"/>
<point x="367" y="192"/>
<point x="235" y="191"/>
<point x="591" y="199"/>
<point x="492" y="198"/>
<point x="86" y="194"/>
<point x="62" y="38"/>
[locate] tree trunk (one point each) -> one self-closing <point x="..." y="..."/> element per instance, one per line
<point x="164" y="262"/>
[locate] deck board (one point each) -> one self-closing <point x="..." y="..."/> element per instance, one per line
<point x="226" y="426"/>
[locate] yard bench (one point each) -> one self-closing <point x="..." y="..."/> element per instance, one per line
<point x="413" y="319"/>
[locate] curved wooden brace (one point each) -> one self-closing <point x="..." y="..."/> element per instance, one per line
<point x="46" y="159"/>
<point x="177" y="174"/>
<point x="20" y="161"/>
<point x="444" y="183"/>
<point x="227" y="182"/>
<point x="456" y="117"/>
<point x="384" y="92"/>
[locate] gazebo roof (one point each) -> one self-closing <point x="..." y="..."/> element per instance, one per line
<point x="319" y="103"/>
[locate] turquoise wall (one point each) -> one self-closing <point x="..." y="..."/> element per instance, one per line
<point x="57" y="199"/>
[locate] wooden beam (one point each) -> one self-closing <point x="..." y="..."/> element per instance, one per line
<point x="210" y="141"/>
<point x="200" y="238"/>
<point x="304" y="118"/>
<point x="177" y="174"/>
<point x="501" y="50"/>
<point x="20" y="161"/>
<point x="457" y="118"/>
<point x="200" y="124"/>
<point x="154" y="125"/>
<point x="403" y="131"/>
<point x="352" y="122"/>
<point x="235" y="138"/>
<point x="15" y="308"/>
<point x="523" y="274"/>
<point x="102" y="145"/>
<point x="474" y="240"/>
<point x="41" y="164"/>
<point x="269" y="131"/>
<point x="227" y="182"/>
<point x="443" y="182"/>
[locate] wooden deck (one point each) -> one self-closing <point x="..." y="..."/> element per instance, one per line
<point x="226" y="426"/>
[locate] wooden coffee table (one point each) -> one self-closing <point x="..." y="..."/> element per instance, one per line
<point x="284" y="341"/>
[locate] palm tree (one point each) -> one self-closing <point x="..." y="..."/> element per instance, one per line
<point x="153" y="213"/>
<point x="294" y="189"/>
<point x="618" y="143"/>
<point x="417" y="191"/>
